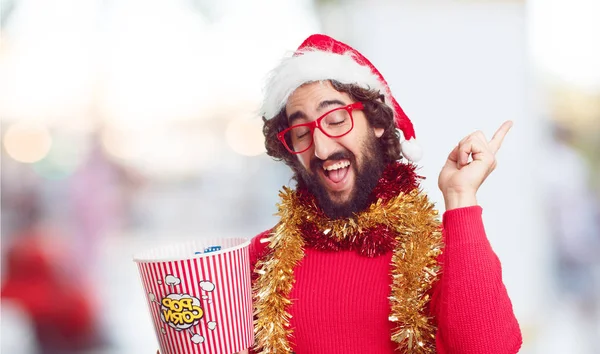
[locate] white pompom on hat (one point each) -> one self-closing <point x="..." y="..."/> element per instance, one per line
<point x="321" y="57"/>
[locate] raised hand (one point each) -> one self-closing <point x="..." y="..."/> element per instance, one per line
<point x="460" y="178"/>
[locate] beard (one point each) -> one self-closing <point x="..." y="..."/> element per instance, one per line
<point x="366" y="177"/>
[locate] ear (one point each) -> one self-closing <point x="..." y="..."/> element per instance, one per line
<point x="378" y="132"/>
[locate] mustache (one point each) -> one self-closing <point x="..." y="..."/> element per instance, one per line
<point x="317" y="163"/>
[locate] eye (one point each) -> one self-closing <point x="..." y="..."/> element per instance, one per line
<point x="300" y="132"/>
<point x="336" y="118"/>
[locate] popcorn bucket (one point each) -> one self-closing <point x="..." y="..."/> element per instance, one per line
<point x="199" y="295"/>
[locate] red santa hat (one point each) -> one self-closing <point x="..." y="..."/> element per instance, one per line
<point x="321" y="57"/>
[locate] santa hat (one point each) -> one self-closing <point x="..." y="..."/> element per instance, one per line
<point x="321" y="57"/>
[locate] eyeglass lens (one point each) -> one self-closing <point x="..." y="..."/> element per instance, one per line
<point x="334" y="124"/>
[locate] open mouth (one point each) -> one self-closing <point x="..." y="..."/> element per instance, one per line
<point x="336" y="172"/>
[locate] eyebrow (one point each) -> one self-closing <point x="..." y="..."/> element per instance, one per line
<point x="323" y="104"/>
<point x="328" y="103"/>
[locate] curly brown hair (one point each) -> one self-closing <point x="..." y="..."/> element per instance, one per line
<point x="377" y="112"/>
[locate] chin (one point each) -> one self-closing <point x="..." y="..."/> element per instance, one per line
<point x="339" y="198"/>
<point x="339" y="206"/>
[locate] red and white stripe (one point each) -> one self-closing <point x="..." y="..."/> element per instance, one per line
<point x="231" y="306"/>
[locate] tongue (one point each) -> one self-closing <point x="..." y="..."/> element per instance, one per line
<point x="338" y="175"/>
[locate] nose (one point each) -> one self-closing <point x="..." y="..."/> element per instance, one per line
<point x="324" y="145"/>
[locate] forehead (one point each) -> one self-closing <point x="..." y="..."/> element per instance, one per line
<point x="308" y="96"/>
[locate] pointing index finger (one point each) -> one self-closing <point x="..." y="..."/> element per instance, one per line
<point x="498" y="137"/>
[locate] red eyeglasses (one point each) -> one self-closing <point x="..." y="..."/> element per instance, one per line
<point x="334" y="124"/>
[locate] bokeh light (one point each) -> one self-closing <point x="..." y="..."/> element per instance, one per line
<point x="119" y="143"/>
<point x="27" y="142"/>
<point x="245" y="136"/>
<point x="65" y="156"/>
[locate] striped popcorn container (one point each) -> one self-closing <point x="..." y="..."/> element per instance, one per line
<point x="199" y="295"/>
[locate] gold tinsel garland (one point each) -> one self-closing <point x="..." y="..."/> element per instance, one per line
<point x="414" y="267"/>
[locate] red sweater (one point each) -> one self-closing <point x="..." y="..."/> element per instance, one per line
<point x="340" y="299"/>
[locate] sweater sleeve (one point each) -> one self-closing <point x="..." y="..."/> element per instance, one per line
<point x="257" y="250"/>
<point x="470" y="302"/>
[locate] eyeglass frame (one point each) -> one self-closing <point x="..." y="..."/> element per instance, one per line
<point x="317" y="124"/>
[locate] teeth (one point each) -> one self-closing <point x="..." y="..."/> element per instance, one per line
<point x="337" y="166"/>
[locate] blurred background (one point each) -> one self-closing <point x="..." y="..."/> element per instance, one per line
<point x="132" y="123"/>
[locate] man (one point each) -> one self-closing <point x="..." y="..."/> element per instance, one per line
<point x="359" y="262"/>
